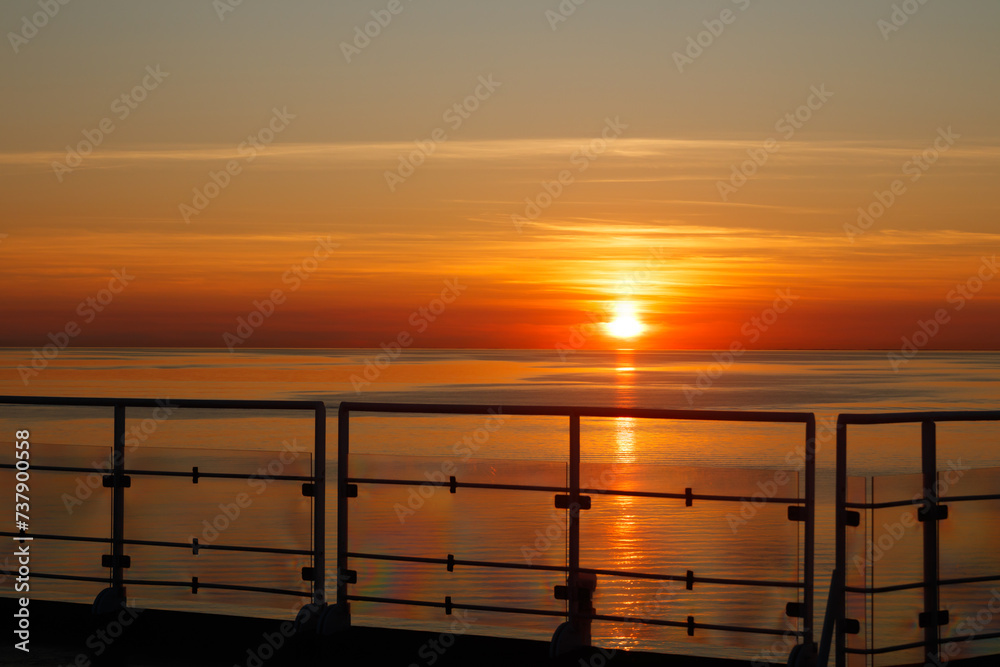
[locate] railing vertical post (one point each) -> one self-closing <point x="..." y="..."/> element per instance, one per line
<point x="343" y="452"/>
<point x="319" y="508"/>
<point x="118" y="504"/>
<point x="573" y="522"/>
<point x="837" y="593"/>
<point x="810" y="541"/>
<point x="928" y="448"/>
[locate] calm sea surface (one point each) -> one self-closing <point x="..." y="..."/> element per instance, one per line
<point x="712" y="539"/>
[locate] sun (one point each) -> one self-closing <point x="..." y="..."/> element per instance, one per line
<point x="625" y="324"/>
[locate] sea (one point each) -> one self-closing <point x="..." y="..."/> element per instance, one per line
<point x="740" y="539"/>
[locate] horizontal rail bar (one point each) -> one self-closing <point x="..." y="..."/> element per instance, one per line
<point x="466" y="563"/>
<point x="969" y="638"/>
<point x="157" y="543"/>
<point x="698" y="580"/>
<point x="943" y="500"/>
<point x="563" y="411"/>
<point x="882" y="506"/>
<point x="968" y="580"/>
<point x="198" y="403"/>
<point x="962" y="499"/>
<point x="169" y="473"/>
<point x="103" y="471"/>
<point x="917" y="417"/>
<point x="220" y="475"/>
<point x="65" y="538"/>
<point x="693" y="496"/>
<point x="442" y="605"/>
<point x="883" y="589"/>
<point x="903" y="647"/>
<point x="65" y="577"/>
<point x="597" y="617"/>
<point x="920" y="584"/>
<point x="695" y="626"/>
<point x="883" y="649"/>
<point x="465" y="485"/>
<point x="563" y="568"/>
<point x="220" y="547"/>
<point x="221" y="587"/>
<point x="564" y="489"/>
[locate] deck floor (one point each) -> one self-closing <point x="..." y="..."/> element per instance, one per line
<point x="64" y="634"/>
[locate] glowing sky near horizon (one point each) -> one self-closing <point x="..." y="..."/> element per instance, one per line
<point x="485" y="175"/>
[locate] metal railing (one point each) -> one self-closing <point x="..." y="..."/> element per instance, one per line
<point x="573" y="497"/>
<point x="118" y="478"/>
<point x="931" y="510"/>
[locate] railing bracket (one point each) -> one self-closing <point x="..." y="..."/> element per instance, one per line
<point x="797" y="513"/>
<point x="795" y="610"/>
<point x="582" y="502"/>
<point x="109" y="560"/>
<point x="940" y="617"/>
<point x="939" y="513"/>
<point x="116" y="481"/>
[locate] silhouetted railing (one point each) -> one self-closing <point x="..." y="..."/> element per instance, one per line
<point x="932" y="508"/>
<point x="118" y="478"/>
<point x="575" y="499"/>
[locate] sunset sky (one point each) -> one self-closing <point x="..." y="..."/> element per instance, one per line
<point x="537" y="172"/>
